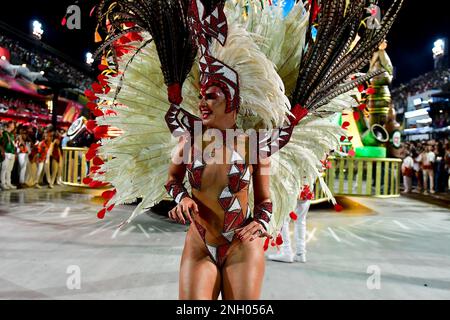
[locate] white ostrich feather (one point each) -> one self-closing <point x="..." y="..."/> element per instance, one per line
<point x="138" y="161"/>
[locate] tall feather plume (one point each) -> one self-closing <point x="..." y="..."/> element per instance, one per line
<point x="329" y="60"/>
<point x="167" y="23"/>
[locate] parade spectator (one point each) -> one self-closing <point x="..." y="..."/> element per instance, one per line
<point x="428" y="160"/>
<point x="417" y="156"/>
<point x="439" y="167"/>
<point x="408" y="171"/>
<point x="54" y="161"/>
<point x="8" y="155"/>
<point x="23" y="151"/>
<point x="431" y="165"/>
<point x="39" y="154"/>
<point x="447" y="163"/>
<point x="38" y="157"/>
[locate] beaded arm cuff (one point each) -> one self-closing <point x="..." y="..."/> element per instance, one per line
<point x="176" y="190"/>
<point x="263" y="214"/>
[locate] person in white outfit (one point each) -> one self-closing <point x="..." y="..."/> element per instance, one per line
<point x="408" y="172"/>
<point x="8" y="152"/>
<point x="428" y="159"/>
<point x="286" y="251"/>
<point x="23" y="150"/>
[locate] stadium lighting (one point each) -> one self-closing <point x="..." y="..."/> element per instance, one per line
<point x="89" y="58"/>
<point x="417" y="102"/>
<point x="42" y="72"/>
<point x="24" y="65"/>
<point x="37" y="29"/>
<point x="416" y="113"/>
<point x="439" y="48"/>
<point x="424" y="121"/>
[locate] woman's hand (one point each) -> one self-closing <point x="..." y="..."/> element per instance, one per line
<point x="185" y="208"/>
<point x="252" y="231"/>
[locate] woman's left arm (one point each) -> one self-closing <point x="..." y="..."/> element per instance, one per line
<point x="262" y="212"/>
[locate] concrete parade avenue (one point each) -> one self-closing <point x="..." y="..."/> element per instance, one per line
<point x="392" y="248"/>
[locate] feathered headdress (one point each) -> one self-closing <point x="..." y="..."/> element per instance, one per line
<point x="167" y="23"/>
<point x="332" y="56"/>
<point x="230" y="59"/>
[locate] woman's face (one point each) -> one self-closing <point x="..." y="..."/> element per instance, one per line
<point x="212" y="109"/>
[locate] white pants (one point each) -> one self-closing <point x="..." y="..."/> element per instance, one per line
<point x="23" y="164"/>
<point x="428" y="174"/>
<point x="299" y="230"/>
<point x="407" y="182"/>
<point x="55" y="172"/>
<point x="7" y="167"/>
<point x="34" y="173"/>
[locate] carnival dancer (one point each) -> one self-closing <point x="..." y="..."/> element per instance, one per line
<point x="272" y="78"/>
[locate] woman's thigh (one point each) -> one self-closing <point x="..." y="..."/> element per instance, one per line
<point x="199" y="276"/>
<point x="243" y="271"/>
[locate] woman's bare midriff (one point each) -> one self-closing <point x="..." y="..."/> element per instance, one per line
<point x="211" y="214"/>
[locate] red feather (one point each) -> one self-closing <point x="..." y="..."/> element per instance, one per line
<point x="101" y="213"/>
<point x="362" y="107"/>
<point x="91" y="106"/>
<point x="87" y="180"/>
<point x="97" y="161"/>
<point x="91" y="125"/>
<point x="266" y="244"/>
<point x="293" y="216"/>
<point x="98" y="113"/>
<point x="279" y="240"/>
<point x="345" y="125"/>
<point x="107" y="195"/>
<point x="370" y="91"/>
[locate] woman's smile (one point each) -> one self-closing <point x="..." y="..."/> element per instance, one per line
<point x="205" y="112"/>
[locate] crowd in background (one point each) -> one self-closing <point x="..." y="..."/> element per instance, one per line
<point x="426" y="166"/>
<point x="43" y="62"/>
<point x="24" y="107"/>
<point x="429" y="81"/>
<point x="30" y="155"/>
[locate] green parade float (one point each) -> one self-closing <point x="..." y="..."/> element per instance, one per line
<point x="378" y="132"/>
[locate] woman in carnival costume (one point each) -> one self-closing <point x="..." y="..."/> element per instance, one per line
<point x="248" y="97"/>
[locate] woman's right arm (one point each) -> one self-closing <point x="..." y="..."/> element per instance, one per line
<point x="175" y="188"/>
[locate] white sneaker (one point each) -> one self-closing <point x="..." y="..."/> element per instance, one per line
<point x="10" y="186"/>
<point x="37" y="186"/>
<point x="50" y="186"/>
<point x="300" y="257"/>
<point x="5" y="187"/>
<point x="281" y="257"/>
